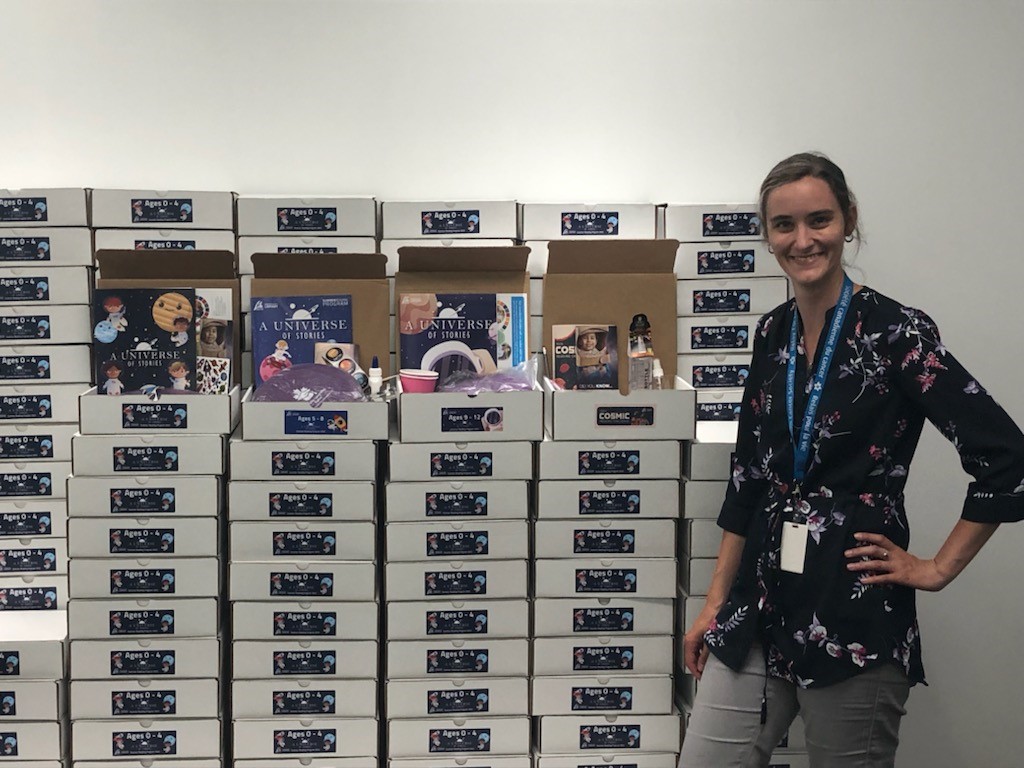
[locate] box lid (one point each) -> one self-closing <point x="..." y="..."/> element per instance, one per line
<point x="627" y="257"/>
<point x="331" y="266"/>
<point x="157" y="265"/>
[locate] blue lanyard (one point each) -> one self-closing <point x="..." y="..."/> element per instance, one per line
<point x="802" y="447"/>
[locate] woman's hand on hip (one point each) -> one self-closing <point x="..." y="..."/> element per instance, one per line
<point x="883" y="562"/>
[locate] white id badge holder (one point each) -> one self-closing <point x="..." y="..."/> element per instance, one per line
<point x="794" y="543"/>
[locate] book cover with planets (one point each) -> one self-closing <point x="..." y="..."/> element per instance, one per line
<point x="451" y="332"/>
<point x="144" y="337"/>
<point x="286" y="329"/>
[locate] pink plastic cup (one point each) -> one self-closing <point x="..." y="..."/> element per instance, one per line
<point x="417" y="381"/>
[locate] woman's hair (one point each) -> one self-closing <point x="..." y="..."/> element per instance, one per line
<point x="818" y="166"/>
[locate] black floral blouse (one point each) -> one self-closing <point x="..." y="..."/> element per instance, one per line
<point x="890" y="372"/>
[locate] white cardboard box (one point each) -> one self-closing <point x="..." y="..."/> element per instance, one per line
<point x="133" y="618"/>
<point x="604" y="537"/>
<point x="719" y="405"/>
<point x="306" y="499"/>
<point x="598" y="733"/>
<point x="303" y="460"/>
<point x="40" y="518"/>
<point x="304" y="659"/>
<point x="555" y="221"/>
<point x="208" y="414"/>
<point x="29" y="700"/>
<point x="699" y="538"/>
<point x="643" y="459"/>
<point x="162" y="658"/>
<point x="462" y="539"/>
<point x="709" y="460"/>
<point x="457" y="737"/>
<point x="602" y="655"/>
<point x="468" y="761"/>
<point x="36" y="440"/>
<point x="715" y="371"/>
<point x="40" y="556"/>
<point x="459" y="698"/>
<point x="165" y="239"/>
<point x="307" y="216"/>
<point x="639" y="576"/>
<point x="731" y="296"/>
<point x="304" y="580"/>
<point x="144" y="495"/>
<point x="131" y="538"/>
<point x="43" y="207"/>
<point x="456" y="579"/>
<point x="278" y="738"/>
<point x="177" y="576"/>
<point x="45" y="364"/>
<point x="32" y="741"/>
<point x="390" y="248"/>
<point x="300" y="421"/>
<point x="247" y="246"/>
<point x="59" y="246"/>
<point x="703" y="498"/>
<point x="104" y="739"/>
<point x="584" y="499"/>
<point x="486" y="417"/>
<point x="26" y="593"/>
<point x="470" y="658"/>
<point x="712" y="222"/>
<point x="460" y="461"/>
<point x="642" y="760"/>
<point x="458" y="619"/>
<point x="33" y="479"/>
<point x="458" y="499"/>
<point x="40" y="402"/>
<point x="134" y="699"/>
<point x="161" y="209"/>
<point x="304" y="620"/>
<point x="623" y="694"/>
<point x="306" y="762"/>
<point x="41" y="285"/>
<point x="409" y="220"/>
<point x="716" y="334"/>
<point x="303" y="698"/>
<point x="695" y="574"/>
<point x="147" y="454"/>
<point x="594" y="617"/>
<point x="301" y="539"/>
<point x="22" y="659"/>
<point x="719" y="260"/>
<point x="45" y="325"/>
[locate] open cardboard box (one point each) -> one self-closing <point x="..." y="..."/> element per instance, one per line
<point x="608" y="283"/>
<point x="206" y="414"/>
<point x="488" y="416"/>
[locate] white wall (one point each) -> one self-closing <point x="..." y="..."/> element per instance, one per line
<point x="686" y="101"/>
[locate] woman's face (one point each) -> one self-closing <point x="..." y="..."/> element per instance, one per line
<point x="807" y="230"/>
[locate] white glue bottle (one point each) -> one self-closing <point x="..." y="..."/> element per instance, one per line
<point x="658" y="374"/>
<point x="376" y="377"/>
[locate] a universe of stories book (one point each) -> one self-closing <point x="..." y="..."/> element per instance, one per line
<point x="143" y="338"/>
<point x="286" y="330"/>
<point x="451" y="332"/>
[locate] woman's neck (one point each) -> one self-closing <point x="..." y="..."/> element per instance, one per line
<point x="814" y="301"/>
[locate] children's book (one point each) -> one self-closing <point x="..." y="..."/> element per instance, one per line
<point x="452" y="332"/>
<point x="144" y="337"/>
<point x="215" y="338"/>
<point x="286" y="330"/>
<point x="586" y="356"/>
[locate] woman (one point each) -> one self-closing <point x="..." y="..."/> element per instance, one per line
<point x="811" y="607"/>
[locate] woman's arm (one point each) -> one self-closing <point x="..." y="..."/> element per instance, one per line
<point x="695" y="650"/>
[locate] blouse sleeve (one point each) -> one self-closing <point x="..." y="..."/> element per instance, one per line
<point x="748" y="483"/>
<point x="990" y="444"/>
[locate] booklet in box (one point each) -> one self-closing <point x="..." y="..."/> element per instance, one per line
<point x="586" y="356"/>
<point x="285" y="329"/>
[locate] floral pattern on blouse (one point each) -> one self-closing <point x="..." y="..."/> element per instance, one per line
<point x="890" y="372"/>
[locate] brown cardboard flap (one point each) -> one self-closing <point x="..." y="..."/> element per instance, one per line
<point x="611" y="257"/>
<point x="166" y="265"/>
<point x="332" y="266"/>
<point x="483" y="259"/>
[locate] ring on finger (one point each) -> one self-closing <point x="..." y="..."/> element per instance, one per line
<point x="885" y="554"/>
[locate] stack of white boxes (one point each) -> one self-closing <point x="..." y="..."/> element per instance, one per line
<point x="45" y="283"/>
<point x="145" y="617"/>
<point x="456" y="579"/>
<point x="608" y="501"/>
<point x="288" y="225"/>
<point x="304" y="584"/>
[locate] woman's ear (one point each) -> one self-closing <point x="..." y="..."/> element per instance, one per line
<point x="851" y="221"/>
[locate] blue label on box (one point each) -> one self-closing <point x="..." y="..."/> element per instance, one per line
<point x="625" y="416"/>
<point x="726" y="262"/>
<point x="24" y="367"/>
<point x="143" y="663"/>
<point x="143" y="581"/>
<point x="301" y="584"/>
<point x="726" y="225"/>
<point x="134" y="703"/>
<point x="718" y="411"/>
<point x="8" y="703"/>
<point x="24" y="249"/>
<point x="460" y="740"/>
<point x="306" y="624"/>
<point x="605" y="580"/>
<point x="145" y="459"/>
<point x="307" y="219"/>
<point x="444" y="543"/>
<point x="142" y="743"/>
<point x="319" y="702"/>
<point x="165" y="245"/>
<point x="305" y="663"/>
<point x="322" y="740"/>
<point x="305" y="543"/>
<point x="26" y="447"/>
<point x="306" y="249"/>
<point x="10" y="663"/>
<point x="130" y="501"/>
<point x="603" y="619"/>
<point x="609" y="737"/>
<point x="22" y="327"/>
<point x="163" y="211"/>
<point x="595" y="541"/>
<point x="154" y="416"/>
<point x="42" y="598"/>
<point x="611" y="765"/>
<point x="602" y="658"/>
<point x="458" y="661"/>
<point x="718" y="376"/>
<point x="456" y="700"/>
<point x="26" y="407"/>
<point x="595" y="699"/>
<point x="454" y="583"/>
<point x="583" y="223"/>
<point x="472" y="622"/>
<point x="142" y="541"/>
<point x="156" y="622"/>
<point x="719" y="337"/>
<point x="14" y="209"/>
<point x="26" y="484"/>
<point x="301" y="504"/>
<point x="596" y="502"/>
<point x="302" y="463"/>
<point x="26" y="524"/>
<point x="8" y="744"/>
<point x="24" y="289"/>
<point x="472" y="419"/>
<point x="450" y="222"/>
<point x="609" y="462"/>
<point x="27" y="560"/>
<point x="315" y="423"/>
<point x="456" y="504"/>
<point x="723" y="302"/>
<point x="461" y="464"/>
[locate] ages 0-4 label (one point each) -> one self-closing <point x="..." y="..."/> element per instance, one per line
<point x="319" y="423"/>
<point x="24" y="249"/>
<point x="625" y="416"/>
<point x="8" y="703"/>
<point x="472" y="419"/>
<point x="27" y="559"/>
<point x="21" y="327"/>
<point x="301" y="584"/>
<point x="305" y="624"/>
<point x="305" y="543"/>
<point x="24" y="367"/>
<point x="14" y="447"/>
<point x="718" y="411"/>
<point x="306" y="249"/>
<point x="142" y="541"/>
<point x="165" y="245"/>
<point x="24" y="288"/>
<point x="609" y="462"/>
<point x="305" y="663"/>
<point x="307" y="219"/>
<point x="477" y="464"/>
<point x="149" y="458"/>
<point x="150" y="662"/>
<point x="726" y="262"/>
<point x="8" y="744"/>
<point x="457" y="622"/>
<point x="718" y="376"/>
<point x="43" y="598"/>
<point x="588" y="699"/>
<point x="605" y="580"/>
<point x="142" y="581"/>
<point x="471" y="661"/>
<point x="445" y="543"/>
<point x="148" y="211"/>
<point x="10" y="663"/>
<point x="142" y="743"/>
<point x="719" y="337"/>
<point x="20" y="209"/>
<point x="726" y="225"/>
<point x="302" y="463"/>
<point x="624" y="502"/>
<point x="584" y="223"/>
<point x="456" y="700"/>
<point x="26" y="484"/>
<point x="450" y="222"/>
<point x="602" y="658"/>
<point x="150" y="622"/>
<point x="154" y="416"/>
<point x="319" y="740"/>
<point x="721" y="302"/>
<point x="454" y="583"/>
<point x="133" y="703"/>
<point x="318" y="702"/>
<point x="603" y="619"/>
<point x="460" y="740"/>
<point x="456" y="504"/>
<point x="609" y="737"/>
<point x="26" y="406"/>
<point x="139" y="501"/>
<point x="300" y="504"/>
<point x="596" y="541"/>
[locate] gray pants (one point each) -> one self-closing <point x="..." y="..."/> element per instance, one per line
<point x="852" y="724"/>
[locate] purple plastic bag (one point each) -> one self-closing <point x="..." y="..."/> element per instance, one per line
<point x="309" y="383"/>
